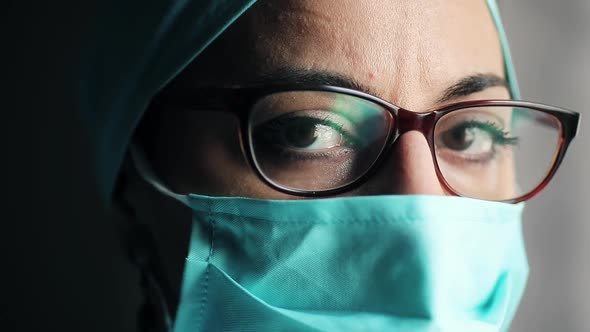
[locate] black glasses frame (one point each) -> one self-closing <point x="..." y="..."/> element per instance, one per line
<point x="240" y="101"/>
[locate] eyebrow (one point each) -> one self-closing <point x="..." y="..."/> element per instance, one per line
<point x="470" y="85"/>
<point x="462" y="88"/>
<point x="289" y="75"/>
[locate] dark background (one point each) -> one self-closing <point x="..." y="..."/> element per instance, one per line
<point x="61" y="264"/>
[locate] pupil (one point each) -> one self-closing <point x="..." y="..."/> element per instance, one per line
<point x="301" y="134"/>
<point x="459" y="138"/>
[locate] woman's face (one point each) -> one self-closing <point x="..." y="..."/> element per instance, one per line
<point x="416" y="54"/>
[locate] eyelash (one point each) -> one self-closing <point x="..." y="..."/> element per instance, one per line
<point x="500" y="136"/>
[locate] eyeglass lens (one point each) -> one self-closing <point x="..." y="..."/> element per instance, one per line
<point x="319" y="141"/>
<point x="496" y="153"/>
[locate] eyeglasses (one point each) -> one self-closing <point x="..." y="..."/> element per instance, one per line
<point x="324" y="140"/>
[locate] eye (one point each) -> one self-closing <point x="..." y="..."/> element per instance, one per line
<point x="474" y="140"/>
<point x="309" y="134"/>
<point x="468" y="139"/>
<point x="306" y="134"/>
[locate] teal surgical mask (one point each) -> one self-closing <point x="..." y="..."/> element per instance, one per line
<point x="380" y="263"/>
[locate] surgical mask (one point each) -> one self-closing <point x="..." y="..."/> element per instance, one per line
<point x="380" y="263"/>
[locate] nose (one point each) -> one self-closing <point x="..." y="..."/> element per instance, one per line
<point x="408" y="169"/>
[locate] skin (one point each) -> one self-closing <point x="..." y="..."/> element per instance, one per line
<point x="408" y="52"/>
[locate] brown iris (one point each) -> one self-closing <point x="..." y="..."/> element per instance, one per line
<point x="301" y="133"/>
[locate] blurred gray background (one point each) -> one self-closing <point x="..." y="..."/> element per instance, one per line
<point x="551" y="47"/>
<point x="61" y="267"/>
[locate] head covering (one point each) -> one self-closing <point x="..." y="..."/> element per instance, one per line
<point x="136" y="48"/>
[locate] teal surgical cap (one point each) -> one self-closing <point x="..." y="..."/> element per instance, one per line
<point x="136" y="48"/>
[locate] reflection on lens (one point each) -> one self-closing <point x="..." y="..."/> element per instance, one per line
<point x="496" y="153"/>
<point x="313" y="141"/>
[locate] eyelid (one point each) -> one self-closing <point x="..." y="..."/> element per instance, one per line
<point x="453" y="119"/>
<point x="320" y="115"/>
<point x="348" y="130"/>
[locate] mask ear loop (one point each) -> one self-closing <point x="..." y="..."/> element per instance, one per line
<point x="509" y="70"/>
<point x="141" y="249"/>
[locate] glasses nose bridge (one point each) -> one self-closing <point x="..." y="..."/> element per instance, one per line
<point x="418" y="121"/>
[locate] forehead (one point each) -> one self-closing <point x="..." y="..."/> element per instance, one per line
<point x="402" y="48"/>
